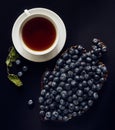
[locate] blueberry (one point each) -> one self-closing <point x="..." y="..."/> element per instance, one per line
<point x="56" y="79"/>
<point x="20" y="74"/>
<point x="104" y="49"/>
<point x="86" y="89"/>
<point x="73" y="83"/>
<point x="43" y="92"/>
<point x="54" y="92"/>
<point x="50" y="77"/>
<point x="70" y="74"/>
<point x="62" y="84"/>
<point x="74" y="96"/>
<point x="65" y="56"/>
<point x="79" y="113"/>
<point x="54" y="72"/>
<point x="85" y="108"/>
<point x="80" y="85"/>
<point x="95" y="95"/>
<point x="96" y="77"/>
<point x="76" y="51"/>
<point x="24" y="68"/>
<point x="98" y="71"/>
<point x="69" y="80"/>
<point x="102" y="80"/>
<point x="59" y="89"/>
<point x="45" y="80"/>
<point x="41" y="99"/>
<point x="83" y="63"/>
<point x="76" y="108"/>
<point x="47" y="95"/>
<point x="75" y="102"/>
<point x="63" y="77"/>
<point x="75" y="57"/>
<point x="77" y="78"/>
<point x="98" y="86"/>
<point x="88" y="59"/>
<point x="104" y="69"/>
<point x="71" y="51"/>
<point x="83" y="103"/>
<point x="76" y="70"/>
<point x="64" y="94"/>
<point x="74" y="114"/>
<point x="72" y="65"/>
<point x="42" y="113"/>
<point x="88" y="54"/>
<point x="62" y="102"/>
<point x="93" y="68"/>
<point x="18" y="62"/>
<point x="79" y="92"/>
<point x="45" y="118"/>
<point x="94" y="57"/>
<point x="60" y="62"/>
<point x="60" y="118"/>
<point x="52" y="106"/>
<point x="95" y="40"/>
<point x="48" y="114"/>
<point x="86" y="76"/>
<point x="94" y="87"/>
<point x="80" y="47"/>
<point x="94" y="47"/>
<point x="65" y="118"/>
<point x="71" y="106"/>
<point x="90" y="82"/>
<point x="62" y="70"/>
<point x="90" y="92"/>
<point x="68" y="61"/>
<point x="46" y="108"/>
<point x="46" y="87"/>
<point x="77" y="64"/>
<point x="81" y="77"/>
<point x="57" y="74"/>
<point x="66" y="68"/>
<point x="80" y="99"/>
<point x="65" y="111"/>
<point x="49" y="101"/>
<point x="54" y="84"/>
<point x="30" y="103"/>
<point x="67" y="86"/>
<point x="84" y="83"/>
<point x="88" y="68"/>
<point x="42" y="108"/>
<point x="70" y="99"/>
<point x="70" y="92"/>
<point x="90" y="102"/>
<point x="57" y="98"/>
<point x="61" y="107"/>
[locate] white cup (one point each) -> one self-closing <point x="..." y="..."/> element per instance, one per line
<point x="22" y="47"/>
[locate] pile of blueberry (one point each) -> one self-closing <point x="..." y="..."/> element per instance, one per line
<point x="24" y="68"/>
<point x="72" y="87"/>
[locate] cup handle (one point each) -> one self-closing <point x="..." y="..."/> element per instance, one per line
<point x="27" y="12"/>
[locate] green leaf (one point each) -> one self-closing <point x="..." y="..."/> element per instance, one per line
<point x="12" y="56"/>
<point x="15" y="79"/>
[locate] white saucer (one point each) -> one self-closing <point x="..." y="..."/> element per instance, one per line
<point x="39" y="58"/>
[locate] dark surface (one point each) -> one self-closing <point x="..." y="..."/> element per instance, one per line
<point x="84" y="20"/>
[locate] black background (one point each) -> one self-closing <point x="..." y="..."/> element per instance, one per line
<point x="84" y="20"/>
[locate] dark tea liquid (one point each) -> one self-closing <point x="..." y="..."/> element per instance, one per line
<point x="39" y="34"/>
